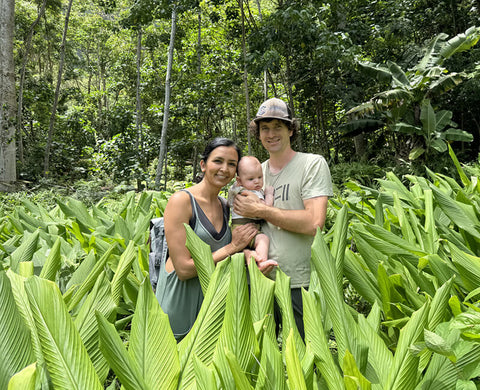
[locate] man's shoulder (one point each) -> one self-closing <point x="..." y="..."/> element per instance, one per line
<point x="310" y="158"/>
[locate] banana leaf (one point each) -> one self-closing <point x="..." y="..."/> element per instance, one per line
<point x="67" y="360"/>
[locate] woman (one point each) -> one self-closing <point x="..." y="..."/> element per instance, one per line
<point x="178" y="290"/>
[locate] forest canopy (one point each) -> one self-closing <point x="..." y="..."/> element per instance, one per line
<point x="106" y="89"/>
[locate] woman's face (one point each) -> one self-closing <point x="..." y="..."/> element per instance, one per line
<point x="221" y="165"/>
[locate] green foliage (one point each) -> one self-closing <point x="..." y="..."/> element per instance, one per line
<point x="407" y="252"/>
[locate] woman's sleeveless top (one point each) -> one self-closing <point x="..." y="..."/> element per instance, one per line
<point x="182" y="300"/>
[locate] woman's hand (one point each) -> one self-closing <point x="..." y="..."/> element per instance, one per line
<point x="242" y="235"/>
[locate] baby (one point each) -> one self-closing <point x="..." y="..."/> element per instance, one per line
<point x="250" y="177"/>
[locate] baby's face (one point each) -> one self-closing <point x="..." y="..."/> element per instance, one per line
<point x="251" y="176"/>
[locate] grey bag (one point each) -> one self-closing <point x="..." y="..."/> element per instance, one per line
<point x="158" y="250"/>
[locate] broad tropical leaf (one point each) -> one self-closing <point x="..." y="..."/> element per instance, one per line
<point x="65" y="355"/>
<point x="15" y="344"/>
<point x="201" y="255"/>
<point x="237" y="335"/>
<point x="24" y="380"/>
<point x="294" y="369"/>
<point x="125" y="368"/>
<point x="202" y="338"/>
<point x="152" y="344"/>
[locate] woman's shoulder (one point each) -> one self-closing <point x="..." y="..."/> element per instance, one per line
<point x="179" y="199"/>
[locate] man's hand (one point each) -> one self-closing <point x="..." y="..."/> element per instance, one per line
<point x="248" y="205"/>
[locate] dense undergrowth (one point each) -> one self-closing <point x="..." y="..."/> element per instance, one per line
<point x="393" y="300"/>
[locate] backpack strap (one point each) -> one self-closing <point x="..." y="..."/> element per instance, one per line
<point x="158" y="249"/>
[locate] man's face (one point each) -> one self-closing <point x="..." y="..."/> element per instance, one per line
<point x="274" y="135"/>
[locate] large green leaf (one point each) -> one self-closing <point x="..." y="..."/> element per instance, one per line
<point x="403" y="374"/>
<point x="100" y="299"/>
<point x="18" y="289"/>
<point x="202" y="257"/>
<point x="204" y="376"/>
<point x="124" y="366"/>
<point x="379" y="356"/>
<point x="460" y="42"/>
<point x="317" y="340"/>
<point x="428" y="118"/>
<point x="238" y="335"/>
<point x="294" y="369"/>
<point x="261" y="295"/>
<point x="468" y="266"/>
<point x="122" y="271"/>
<point x="88" y="283"/>
<point x="25" y="251"/>
<point x="240" y="379"/>
<point x="354" y="379"/>
<point x="15" y="345"/>
<point x="324" y="266"/>
<point x="53" y="262"/>
<point x="24" y="379"/>
<point x="271" y="375"/>
<point x="152" y="344"/>
<point x="202" y="338"/>
<point x="464" y="220"/>
<point x="283" y="297"/>
<point x="65" y="355"/>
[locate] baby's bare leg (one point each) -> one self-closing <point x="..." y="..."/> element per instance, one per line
<point x="261" y="246"/>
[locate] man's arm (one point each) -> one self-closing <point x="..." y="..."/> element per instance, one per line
<point x="299" y="221"/>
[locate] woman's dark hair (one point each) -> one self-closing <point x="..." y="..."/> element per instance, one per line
<point x="215" y="143"/>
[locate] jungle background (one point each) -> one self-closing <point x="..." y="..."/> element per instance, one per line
<point x="115" y="93"/>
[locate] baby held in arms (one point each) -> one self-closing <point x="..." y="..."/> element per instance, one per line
<point x="250" y="178"/>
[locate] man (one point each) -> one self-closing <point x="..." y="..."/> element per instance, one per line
<point x="302" y="185"/>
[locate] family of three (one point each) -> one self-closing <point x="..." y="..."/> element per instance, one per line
<point x="289" y="193"/>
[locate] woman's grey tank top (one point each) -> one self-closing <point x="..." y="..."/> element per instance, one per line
<point x="182" y="300"/>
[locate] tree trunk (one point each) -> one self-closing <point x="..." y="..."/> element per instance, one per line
<point x="199" y="71"/>
<point x="245" y="77"/>
<point x="7" y="97"/>
<point x="26" y="55"/>
<point x="166" y="109"/>
<point x="57" y="92"/>
<point x="265" y="84"/>
<point x="138" y="119"/>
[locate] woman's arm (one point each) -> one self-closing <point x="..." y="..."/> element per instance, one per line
<point x="178" y="212"/>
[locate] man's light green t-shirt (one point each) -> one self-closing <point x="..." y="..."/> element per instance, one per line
<point x="306" y="176"/>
